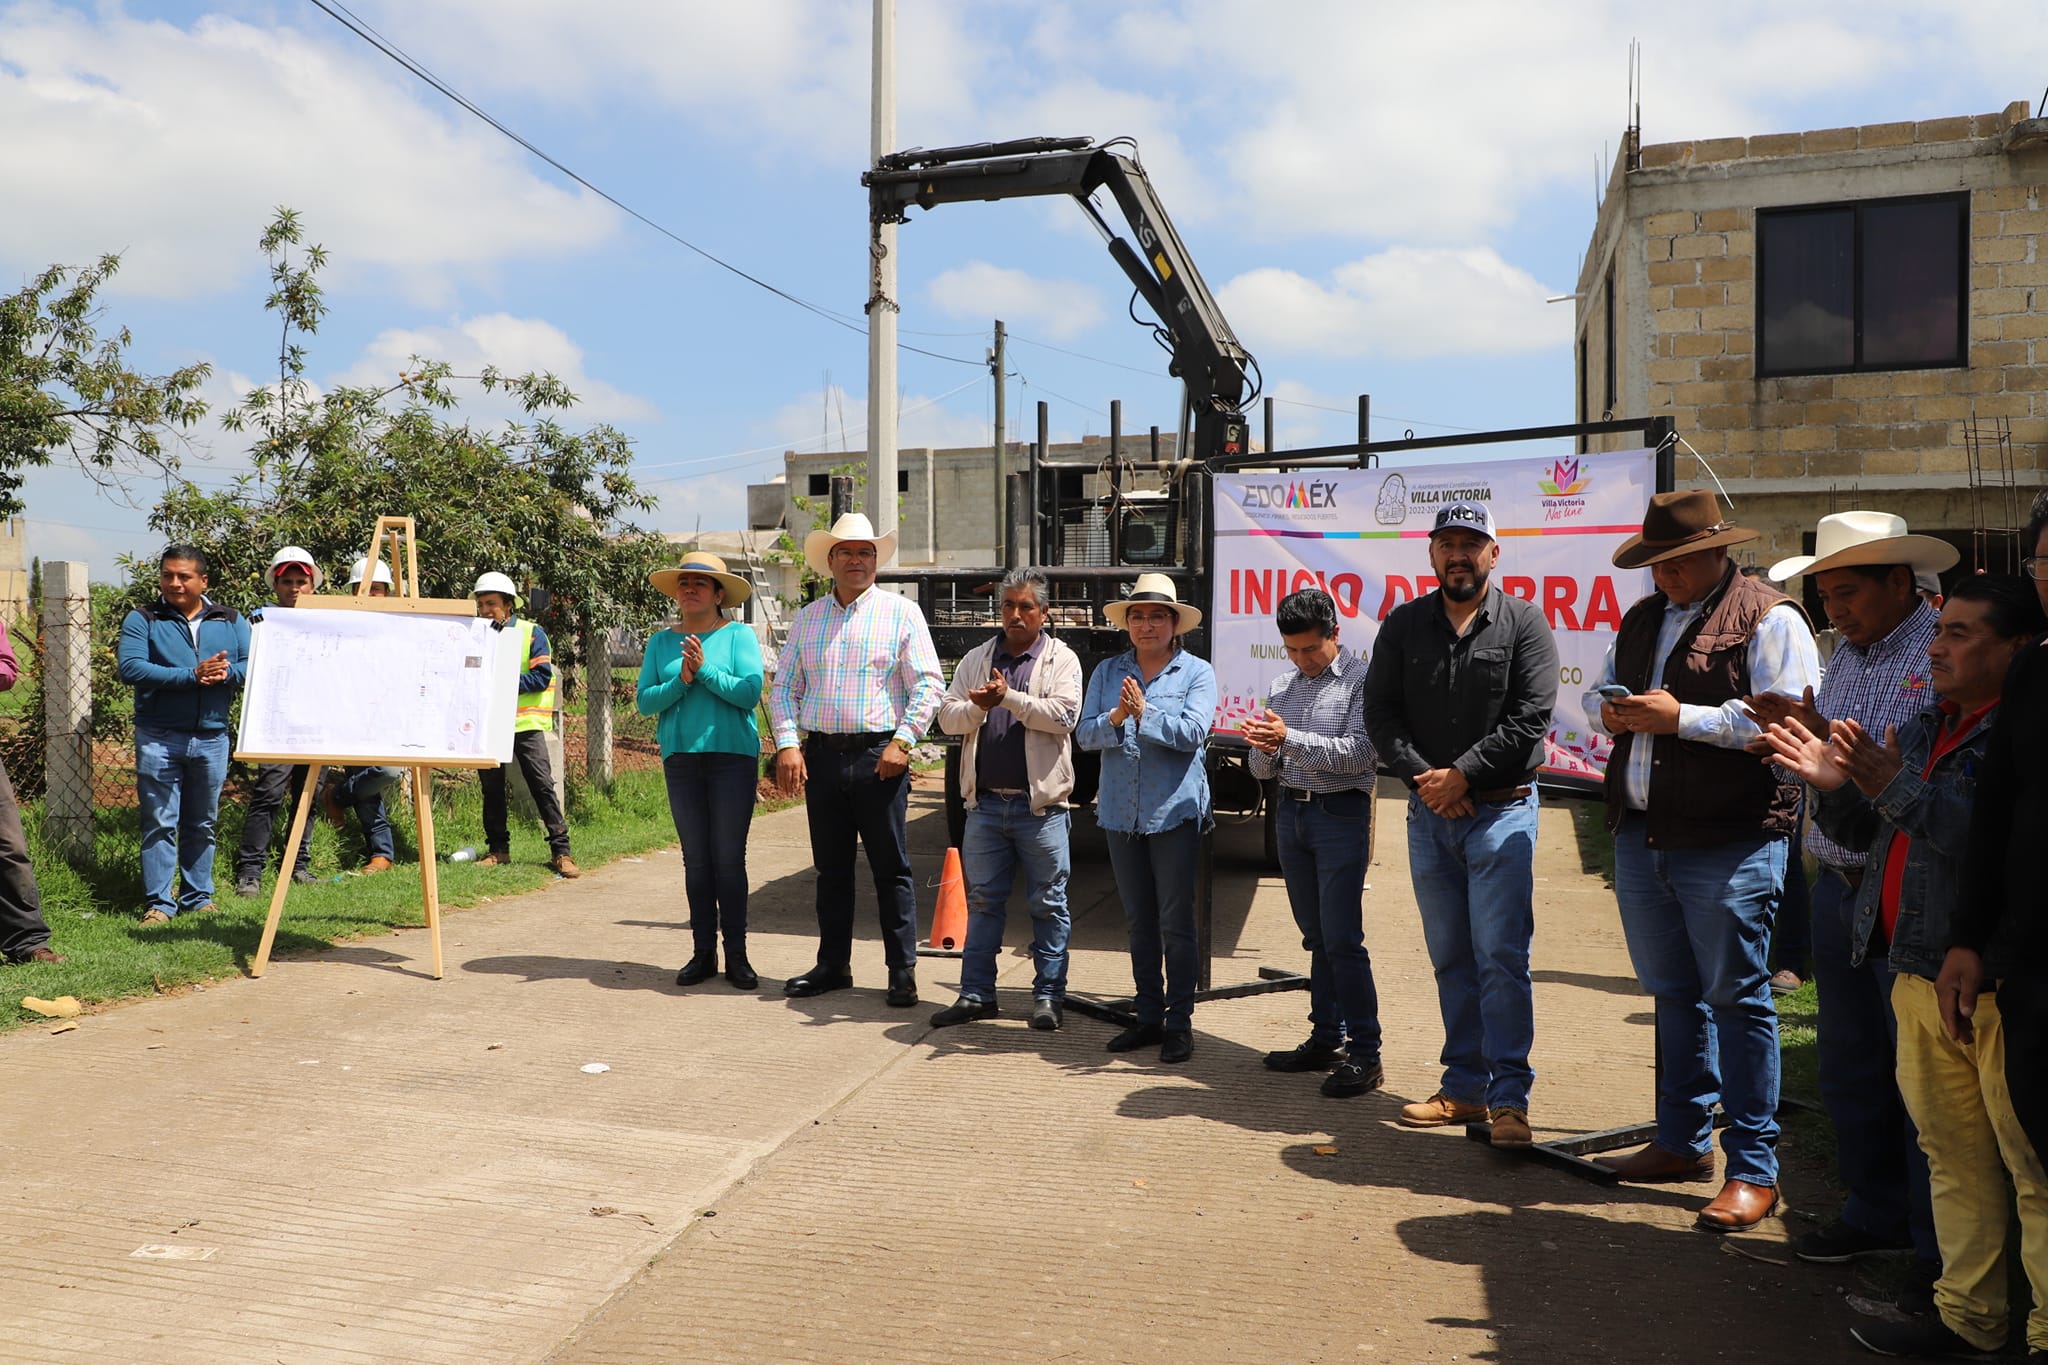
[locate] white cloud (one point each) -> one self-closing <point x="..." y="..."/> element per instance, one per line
<point x="512" y="344"/>
<point x="172" y="147"/>
<point x="1304" y="417"/>
<point x="978" y="291"/>
<point x="1405" y="302"/>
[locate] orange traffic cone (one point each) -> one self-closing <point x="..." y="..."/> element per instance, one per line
<point x="949" y="920"/>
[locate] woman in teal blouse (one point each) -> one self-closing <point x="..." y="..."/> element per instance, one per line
<point x="702" y="677"/>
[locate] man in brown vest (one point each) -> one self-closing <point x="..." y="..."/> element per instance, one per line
<point x="1700" y="834"/>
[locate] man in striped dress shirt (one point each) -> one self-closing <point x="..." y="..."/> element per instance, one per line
<point x="1865" y="568"/>
<point x="1312" y="735"/>
<point x="859" y="678"/>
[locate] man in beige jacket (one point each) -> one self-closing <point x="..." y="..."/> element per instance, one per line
<point x="1015" y="701"/>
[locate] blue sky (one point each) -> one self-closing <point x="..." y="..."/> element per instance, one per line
<point x="1381" y="196"/>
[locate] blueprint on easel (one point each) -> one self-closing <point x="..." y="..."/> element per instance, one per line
<point x="378" y="687"/>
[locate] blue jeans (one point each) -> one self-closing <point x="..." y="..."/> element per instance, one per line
<point x="1322" y="859"/>
<point x="845" y="802"/>
<point x="1877" y="1149"/>
<point x="1155" y="879"/>
<point x="1475" y="877"/>
<point x="1698" y="923"/>
<point x="362" y="791"/>
<point x="711" y="797"/>
<point x="1002" y="833"/>
<point x="178" y="774"/>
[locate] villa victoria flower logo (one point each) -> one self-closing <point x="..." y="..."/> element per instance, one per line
<point x="1564" y="479"/>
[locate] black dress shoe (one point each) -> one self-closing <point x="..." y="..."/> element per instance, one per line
<point x="1177" y="1046"/>
<point x="1135" y="1037"/>
<point x="962" y="1010"/>
<point x="1354" y="1076"/>
<point x="1045" y="1016"/>
<point x="819" y="980"/>
<point x="698" y="970"/>
<point x="1309" y="1055"/>
<point x="902" y="987"/>
<point x="741" y="973"/>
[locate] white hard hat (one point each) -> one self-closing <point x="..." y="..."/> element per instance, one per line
<point x="496" y="582"/>
<point x="383" y="574"/>
<point x="294" y="554"/>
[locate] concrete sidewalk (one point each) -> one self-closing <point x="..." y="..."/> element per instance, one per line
<point x="347" y="1161"/>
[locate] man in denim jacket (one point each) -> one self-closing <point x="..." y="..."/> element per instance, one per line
<point x="186" y="656"/>
<point x="1907" y="800"/>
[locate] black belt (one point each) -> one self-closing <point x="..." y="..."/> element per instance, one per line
<point x="1298" y="794"/>
<point x="1852" y="875"/>
<point x="850" y="744"/>
<point x="1500" y="795"/>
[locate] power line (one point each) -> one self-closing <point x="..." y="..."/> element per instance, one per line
<point x="348" y="20"/>
<point x="1377" y="417"/>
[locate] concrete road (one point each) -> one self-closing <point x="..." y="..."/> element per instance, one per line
<point x="348" y="1161"/>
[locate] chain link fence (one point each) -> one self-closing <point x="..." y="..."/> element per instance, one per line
<point x="67" y="726"/>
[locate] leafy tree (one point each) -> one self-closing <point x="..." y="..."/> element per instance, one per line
<point x="63" y="387"/>
<point x="549" y="505"/>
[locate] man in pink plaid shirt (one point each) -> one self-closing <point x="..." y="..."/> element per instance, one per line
<point x="859" y="678"/>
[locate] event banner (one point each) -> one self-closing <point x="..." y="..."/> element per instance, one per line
<point x="1362" y="535"/>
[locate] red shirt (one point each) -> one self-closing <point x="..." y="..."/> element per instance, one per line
<point x="1945" y="739"/>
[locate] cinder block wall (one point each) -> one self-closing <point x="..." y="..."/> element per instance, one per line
<point x="1681" y="231"/>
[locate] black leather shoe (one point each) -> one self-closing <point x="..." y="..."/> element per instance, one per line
<point x="698" y="970"/>
<point x="962" y="1010"/>
<point x="1310" y="1055"/>
<point x="1177" y="1046"/>
<point x="902" y="987"/>
<point x="1354" y="1076"/>
<point x="741" y="973"/>
<point x="1135" y="1037"/>
<point x="819" y="980"/>
<point x="1045" y="1016"/>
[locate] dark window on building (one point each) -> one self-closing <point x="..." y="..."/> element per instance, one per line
<point x="1607" y="410"/>
<point x="820" y="486"/>
<point x="902" y="481"/>
<point x="1069" y="485"/>
<point x="1871" y="286"/>
<point x="1582" y="391"/>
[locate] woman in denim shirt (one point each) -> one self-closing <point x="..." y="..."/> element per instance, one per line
<point x="1907" y="798"/>
<point x="703" y="679"/>
<point x="1148" y="712"/>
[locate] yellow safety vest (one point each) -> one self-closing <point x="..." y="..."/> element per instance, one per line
<point x="536" y="709"/>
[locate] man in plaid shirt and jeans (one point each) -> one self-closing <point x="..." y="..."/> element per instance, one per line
<point x="860" y="679"/>
<point x="1312" y="736"/>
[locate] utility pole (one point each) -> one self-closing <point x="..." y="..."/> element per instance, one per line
<point x="881" y="307"/>
<point x="997" y="368"/>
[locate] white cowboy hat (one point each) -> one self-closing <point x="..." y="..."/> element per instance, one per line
<point x="1847" y="539"/>
<point x="852" y="526"/>
<point x="1154" y="587"/>
<point x="737" y="589"/>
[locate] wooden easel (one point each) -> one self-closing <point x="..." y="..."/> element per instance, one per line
<point x="396" y="536"/>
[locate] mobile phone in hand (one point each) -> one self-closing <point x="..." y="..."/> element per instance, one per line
<point x="1613" y="691"/>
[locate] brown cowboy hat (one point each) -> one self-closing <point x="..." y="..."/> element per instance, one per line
<point x="1679" y="524"/>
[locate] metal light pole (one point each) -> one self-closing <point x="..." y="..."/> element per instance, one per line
<point x="881" y="307"/>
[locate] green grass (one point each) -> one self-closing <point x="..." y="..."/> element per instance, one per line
<point x="94" y="914"/>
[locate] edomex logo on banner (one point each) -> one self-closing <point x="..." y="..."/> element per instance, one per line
<point x="1362" y="536"/>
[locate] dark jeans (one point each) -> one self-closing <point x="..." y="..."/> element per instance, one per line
<point x="1792" y="931"/>
<point x="1877" y="1149"/>
<point x="277" y="785"/>
<point x="530" y="752"/>
<point x="362" y="791"/>
<point x="2023" y="1006"/>
<point x="1155" y="879"/>
<point x="711" y="797"/>
<point x="844" y="802"/>
<point x="22" y="929"/>
<point x="1322" y="859"/>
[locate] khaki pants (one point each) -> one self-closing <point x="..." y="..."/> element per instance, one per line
<point x="1956" y="1093"/>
